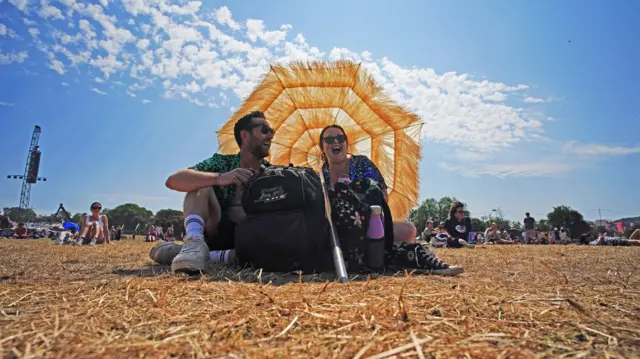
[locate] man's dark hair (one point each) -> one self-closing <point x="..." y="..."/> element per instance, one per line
<point x="527" y="214"/>
<point x="243" y="124"/>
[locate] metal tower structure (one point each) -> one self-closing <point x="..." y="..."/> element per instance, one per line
<point x="31" y="169"/>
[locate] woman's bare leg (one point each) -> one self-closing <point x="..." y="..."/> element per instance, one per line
<point x="97" y="230"/>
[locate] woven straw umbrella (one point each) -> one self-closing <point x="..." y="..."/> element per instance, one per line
<point x="300" y="99"/>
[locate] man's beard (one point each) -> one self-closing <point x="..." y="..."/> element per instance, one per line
<point x="258" y="150"/>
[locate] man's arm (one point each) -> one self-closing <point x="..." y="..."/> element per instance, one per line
<point x="190" y="180"/>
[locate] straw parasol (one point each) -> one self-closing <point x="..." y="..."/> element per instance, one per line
<point x="300" y="99"/>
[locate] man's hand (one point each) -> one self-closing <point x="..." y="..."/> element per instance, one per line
<point x="238" y="176"/>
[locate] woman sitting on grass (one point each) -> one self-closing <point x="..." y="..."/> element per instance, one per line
<point x="152" y="234"/>
<point x="457" y="227"/>
<point x="366" y="180"/>
<point x="94" y="228"/>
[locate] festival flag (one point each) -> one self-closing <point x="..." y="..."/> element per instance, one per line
<point x="620" y="226"/>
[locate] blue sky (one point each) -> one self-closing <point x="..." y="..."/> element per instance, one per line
<point x="517" y="117"/>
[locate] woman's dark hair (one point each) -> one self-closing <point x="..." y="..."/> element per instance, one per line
<point x="324" y="157"/>
<point x="95" y="203"/>
<point x="454" y="207"/>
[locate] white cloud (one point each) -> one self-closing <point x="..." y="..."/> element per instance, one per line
<point x="223" y="16"/>
<point x="600" y="150"/>
<point x="533" y="169"/>
<point x="104" y="3"/>
<point x="6" y="104"/>
<point x="34" y="32"/>
<point x="5" y="31"/>
<point x="145" y="101"/>
<point x="108" y="65"/>
<point x="98" y="80"/>
<point x="57" y="66"/>
<point x="49" y="11"/>
<point x="98" y="91"/>
<point x="256" y="30"/>
<point x="190" y="9"/>
<point x="28" y="22"/>
<point x="12" y="57"/>
<point x="20" y="4"/>
<point x="530" y="99"/>
<point x="64" y="84"/>
<point x="197" y="55"/>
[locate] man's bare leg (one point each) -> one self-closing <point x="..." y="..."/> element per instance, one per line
<point x="202" y="215"/>
<point x="404" y="232"/>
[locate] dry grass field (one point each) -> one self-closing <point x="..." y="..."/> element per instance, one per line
<point x="512" y="302"/>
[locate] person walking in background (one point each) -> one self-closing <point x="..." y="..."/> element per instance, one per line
<point x="529" y="228"/>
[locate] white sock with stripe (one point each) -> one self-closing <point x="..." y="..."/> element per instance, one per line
<point x="194" y="225"/>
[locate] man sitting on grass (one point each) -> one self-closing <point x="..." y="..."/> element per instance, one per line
<point x="212" y="206"/>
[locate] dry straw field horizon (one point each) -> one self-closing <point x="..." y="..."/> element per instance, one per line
<point x="111" y="301"/>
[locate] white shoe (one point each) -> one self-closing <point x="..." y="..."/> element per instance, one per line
<point x="193" y="257"/>
<point x="93" y="242"/>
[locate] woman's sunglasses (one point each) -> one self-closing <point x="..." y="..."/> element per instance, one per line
<point x="264" y="128"/>
<point x="96" y="208"/>
<point x="329" y="140"/>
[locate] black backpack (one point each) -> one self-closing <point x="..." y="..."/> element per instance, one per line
<point x="286" y="228"/>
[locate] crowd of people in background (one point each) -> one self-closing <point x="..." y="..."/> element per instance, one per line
<point x="455" y="232"/>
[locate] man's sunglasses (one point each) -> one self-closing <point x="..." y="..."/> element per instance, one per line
<point x="329" y="140"/>
<point x="264" y="128"/>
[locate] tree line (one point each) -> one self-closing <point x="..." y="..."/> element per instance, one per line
<point x="130" y="215"/>
<point x="560" y="216"/>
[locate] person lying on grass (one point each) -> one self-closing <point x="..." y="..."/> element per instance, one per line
<point x="614" y="241"/>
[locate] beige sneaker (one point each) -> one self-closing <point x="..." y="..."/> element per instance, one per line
<point x="193" y="257"/>
<point x="164" y="253"/>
